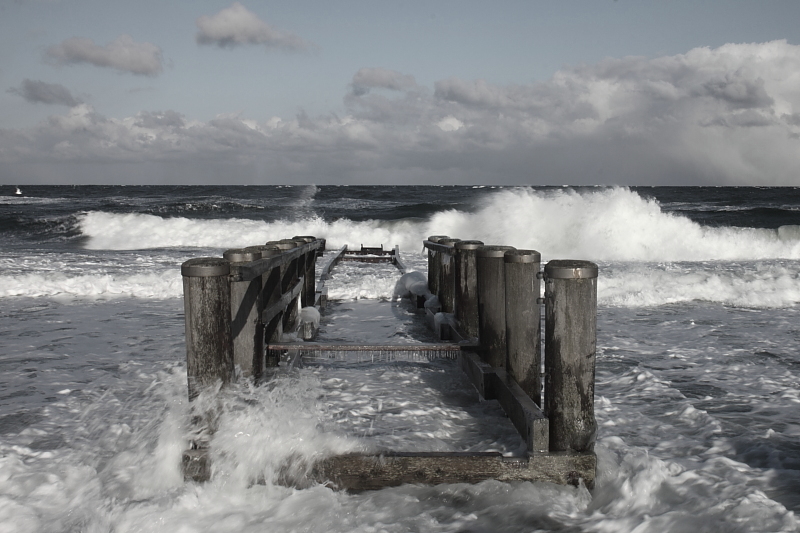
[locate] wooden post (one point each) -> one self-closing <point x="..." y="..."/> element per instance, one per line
<point x="300" y="271"/>
<point x="492" y="304"/>
<point x="523" y="320"/>
<point x="271" y="291"/>
<point x="447" y="281"/>
<point x="309" y="262"/>
<point x="288" y="275"/>
<point x="433" y="265"/>
<point x="270" y="285"/>
<point x="466" y="286"/>
<point x="246" y="327"/>
<point x="207" y="312"/>
<point x="570" y="344"/>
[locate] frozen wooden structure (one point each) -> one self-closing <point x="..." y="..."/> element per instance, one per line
<point x="488" y="316"/>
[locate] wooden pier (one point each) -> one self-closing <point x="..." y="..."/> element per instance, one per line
<point x="483" y="302"/>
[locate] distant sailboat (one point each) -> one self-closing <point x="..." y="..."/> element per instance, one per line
<point x="19" y="192"/>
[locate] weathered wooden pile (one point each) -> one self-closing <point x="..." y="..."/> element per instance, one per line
<point x="234" y="304"/>
<point x="486" y="305"/>
<point x="492" y="293"/>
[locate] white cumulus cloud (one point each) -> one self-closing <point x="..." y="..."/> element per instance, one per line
<point x="237" y="25"/>
<point x="450" y="123"/>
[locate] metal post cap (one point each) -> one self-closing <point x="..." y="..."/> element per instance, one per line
<point x="570" y="269"/>
<point x="522" y="256"/>
<point x="437" y="238"/>
<point x="494" y="251"/>
<point x="307" y="238"/>
<point x="206" y="267"/>
<point x="468" y="245"/>
<point x="241" y="255"/>
<point x="286" y="245"/>
<point x="448" y="241"/>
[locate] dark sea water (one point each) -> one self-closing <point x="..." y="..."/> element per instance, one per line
<point x="697" y="394"/>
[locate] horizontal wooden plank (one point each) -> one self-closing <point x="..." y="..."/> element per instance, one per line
<point x="368" y="258"/>
<point x="370" y="472"/>
<point x="360" y="472"/>
<point x="353" y="347"/>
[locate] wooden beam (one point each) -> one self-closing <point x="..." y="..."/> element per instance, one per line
<point x="368" y="259"/>
<point x="195" y="465"/>
<point x="481" y="374"/>
<point x="401" y="266"/>
<point x="495" y="384"/>
<point x="526" y="416"/>
<point x="353" y="347"/>
<point x="358" y="472"/>
<point x="321" y="297"/>
<point x="280" y="305"/>
<point x="326" y="270"/>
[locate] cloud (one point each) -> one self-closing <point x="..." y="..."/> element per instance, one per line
<point x="40" y="92"/>
<point x="450" y="123"/>
<point x="123" y="54"/>
<point x="726" y="115"/>
<point x="236" y="25"/>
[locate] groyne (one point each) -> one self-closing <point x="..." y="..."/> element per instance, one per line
<point x="484" y="302"/>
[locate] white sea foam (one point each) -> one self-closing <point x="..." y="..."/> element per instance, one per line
<point x="351" y="281"/>
<point x="638" y="285"/>
<point x="754" y="284"/>
<point x="664" y="463"/>
<point x="608" y="224"/>
<point x="605" y="224"/>
<point x="412" y="283"/>
<point x="648" y="257"/>
<point x="274" y="432"/>
<point x="697" y="430"/>
<point x="156" y="284"/>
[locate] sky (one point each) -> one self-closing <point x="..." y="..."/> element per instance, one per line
<point x="600" y="92"/>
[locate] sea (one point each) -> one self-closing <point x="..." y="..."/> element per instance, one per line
<point x="697" y="381"/>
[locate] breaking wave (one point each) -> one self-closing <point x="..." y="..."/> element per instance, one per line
<point x="603" y="225"/>
<point x="157" y="285"/>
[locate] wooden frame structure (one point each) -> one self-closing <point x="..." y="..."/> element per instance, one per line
<point x="551" y="458"/>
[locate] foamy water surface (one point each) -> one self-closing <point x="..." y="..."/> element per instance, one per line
<point x="697" y="390"/>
